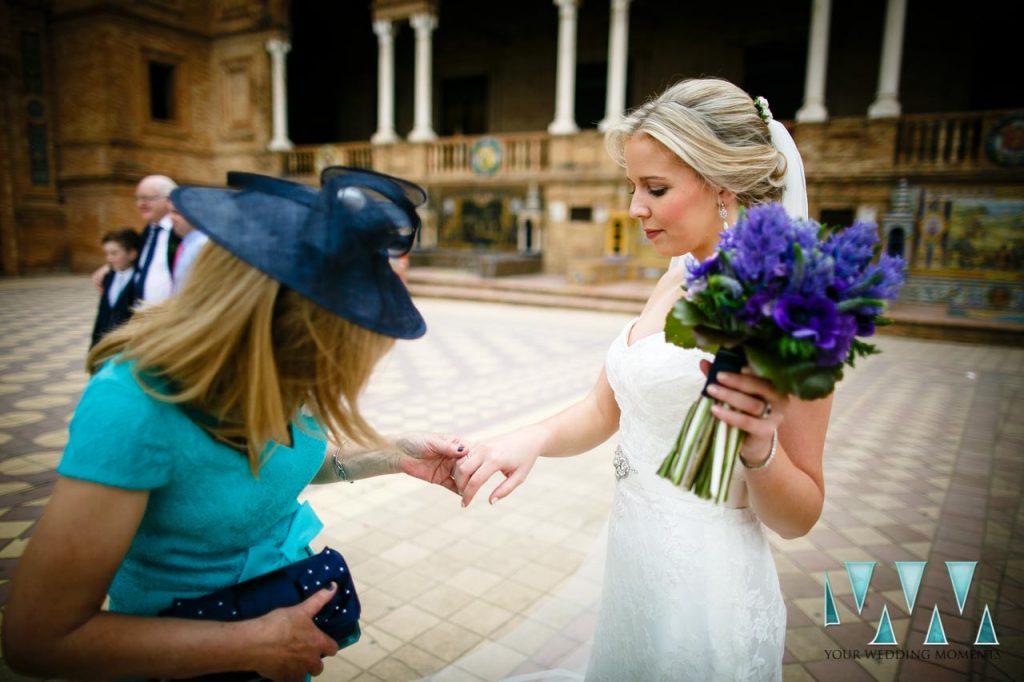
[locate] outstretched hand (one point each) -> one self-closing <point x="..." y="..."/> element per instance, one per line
<point x="513" y="455"/>
<point x="431" y="457"/>
<point x="294" y="645"/>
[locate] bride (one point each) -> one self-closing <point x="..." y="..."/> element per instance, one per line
<point x="690" y="588"/>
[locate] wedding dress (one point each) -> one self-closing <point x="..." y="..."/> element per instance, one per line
<point x="690" y="588"/>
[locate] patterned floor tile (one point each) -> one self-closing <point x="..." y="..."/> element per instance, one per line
<point x="922" y="462"/>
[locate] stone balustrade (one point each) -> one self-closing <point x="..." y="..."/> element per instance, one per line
<point x="917" y="145"/>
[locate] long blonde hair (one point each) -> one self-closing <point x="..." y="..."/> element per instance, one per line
<point x="246" y="353"/>
<point x="714" y="128"/>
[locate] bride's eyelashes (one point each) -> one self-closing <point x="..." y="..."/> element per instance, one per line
<point x="653" y="191"/>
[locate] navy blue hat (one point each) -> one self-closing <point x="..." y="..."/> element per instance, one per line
<point x="331" y="245"/>
<point x="413" y="192"/>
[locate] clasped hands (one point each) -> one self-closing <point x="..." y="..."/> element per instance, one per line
<point x="451" y="462"/>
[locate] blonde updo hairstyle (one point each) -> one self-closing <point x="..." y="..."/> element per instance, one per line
<point x="714" y="128"/>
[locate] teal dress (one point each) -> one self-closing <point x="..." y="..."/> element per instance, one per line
<point x="208" y="523"/>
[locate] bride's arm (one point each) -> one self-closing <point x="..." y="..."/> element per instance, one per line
<point x="576" y="429"/>
<point x="789" y="492"/>
<point x="787" y="488"/>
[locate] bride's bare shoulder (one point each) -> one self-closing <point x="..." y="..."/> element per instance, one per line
<point x="672" y="279"/>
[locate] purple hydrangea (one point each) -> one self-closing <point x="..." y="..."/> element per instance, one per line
<point x="701" y="270"/>
<point x="816" y="276"/>
<point x="851" y="250"/>
<point x="883" y="279"/>
<point x="760" y="244"/>
<point x="772" y="276"/>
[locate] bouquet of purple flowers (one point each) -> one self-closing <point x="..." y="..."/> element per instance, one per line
<point x="788" y="297"/>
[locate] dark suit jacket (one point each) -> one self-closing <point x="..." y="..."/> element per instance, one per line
<point x="142" y="266"/>
<point x="108" y="317"/>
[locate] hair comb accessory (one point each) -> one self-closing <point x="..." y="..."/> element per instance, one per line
<point x="761" y="104"/>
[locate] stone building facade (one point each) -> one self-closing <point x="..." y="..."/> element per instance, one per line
<point x="97" y="94"/>
<point x="498" y="109"/>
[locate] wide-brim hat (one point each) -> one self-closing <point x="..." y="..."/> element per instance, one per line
<point x="416" y="195"/>
<point x="330" y="245"/>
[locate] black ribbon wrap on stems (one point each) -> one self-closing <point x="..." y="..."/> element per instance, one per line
<point x="731" y="359"/>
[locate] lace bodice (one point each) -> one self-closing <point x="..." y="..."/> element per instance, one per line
<point x="654" y="383"/>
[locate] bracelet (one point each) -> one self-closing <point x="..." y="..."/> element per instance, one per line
<point x="768" y="459"/>
<point x="341" y="472"/>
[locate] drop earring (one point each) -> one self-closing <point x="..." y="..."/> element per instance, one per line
<point x="723" y="214"/>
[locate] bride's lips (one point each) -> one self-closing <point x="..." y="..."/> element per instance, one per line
<point x="652" y="233"/>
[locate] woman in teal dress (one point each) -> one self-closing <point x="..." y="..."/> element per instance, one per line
<point x="205" y="418"/>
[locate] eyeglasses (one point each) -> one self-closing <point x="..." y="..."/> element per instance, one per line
<point x="149" y="198"/>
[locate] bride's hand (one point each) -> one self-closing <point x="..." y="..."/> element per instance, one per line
<point x="752" y="404"/>
<point x="513" y="455"/>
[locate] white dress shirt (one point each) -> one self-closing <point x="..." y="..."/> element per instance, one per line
<point x="191" y="244"/>
<point x="120" y="281"/>
<point x="158" y="284"/>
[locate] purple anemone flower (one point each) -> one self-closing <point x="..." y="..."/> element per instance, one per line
<point x="817" y="319"/>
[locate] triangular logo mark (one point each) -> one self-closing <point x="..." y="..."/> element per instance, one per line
<point x="910" y="580"/>
<point x="960" y="574"/>
<point x="986" y="631"/>
<point x="859" y="573"/>
<point x="884" y="636"/>
<point x="936" y="633"/>
<point x="831" y="612"/>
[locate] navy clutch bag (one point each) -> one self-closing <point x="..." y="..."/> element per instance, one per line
<point x="287" y="586"/>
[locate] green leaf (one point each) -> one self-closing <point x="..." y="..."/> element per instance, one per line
<point x="708" y="337"/>
<point x="725" y="284"/>
<point x="801" y="349"/>
<point x="798" y="263"/>
<point x="678" y="333"/>
<point x="770" y="366"/>
<point x="805" y="380"/>
<point x="860" y="349"/>
<point x="687" y="313"/>
<point x="853" y="303"/>
<point x="817" y="384"/>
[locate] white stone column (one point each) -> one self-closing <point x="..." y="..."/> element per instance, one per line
<point x="423" y="130"/>
<point x="565" y="89"/>
<point x="618" y="53"/>
<point x="814" y="110"/>
<point x="385" y="83"/>
<point x="279" y="94"/>
<point x="887" y="103"/>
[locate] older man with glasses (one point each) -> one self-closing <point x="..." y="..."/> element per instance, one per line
<point x="153" y="280"/>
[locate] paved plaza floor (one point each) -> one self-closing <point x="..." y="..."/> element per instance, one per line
<point x="924" y="462"/>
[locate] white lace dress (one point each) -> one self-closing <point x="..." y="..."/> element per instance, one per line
<point x="690" y="588"/>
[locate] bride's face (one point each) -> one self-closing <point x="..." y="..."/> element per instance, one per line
<point x="678" y="211"/>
